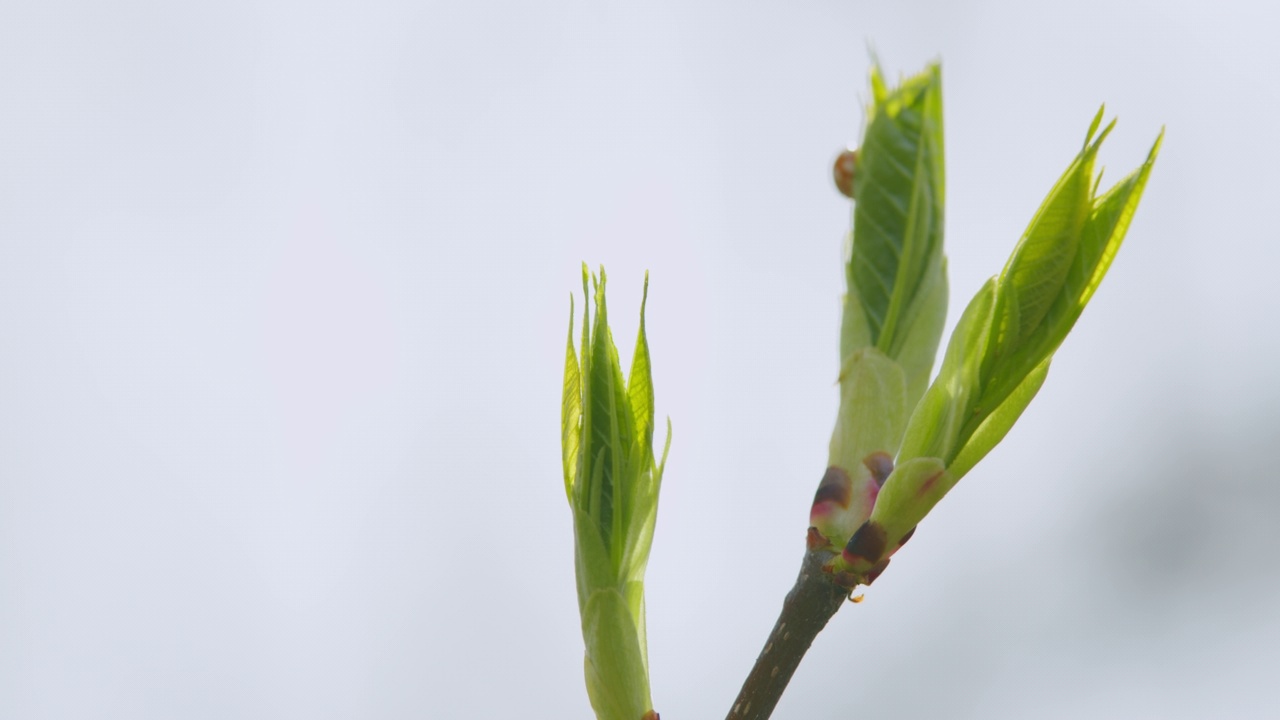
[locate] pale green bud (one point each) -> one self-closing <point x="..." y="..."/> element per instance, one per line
<point x="612" y="480"/>
<point x="896" y="274"/>
<point x="896" y="301"/>
<point x="1000" y="351"/>
<point x="873" y="411"/>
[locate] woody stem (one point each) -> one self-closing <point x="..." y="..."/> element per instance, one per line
<point x="813" y="600"/>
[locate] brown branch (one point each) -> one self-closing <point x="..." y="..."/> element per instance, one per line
<point x="805" y="611"/>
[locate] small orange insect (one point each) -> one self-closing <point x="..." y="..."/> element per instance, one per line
<point x="843" y="171"/>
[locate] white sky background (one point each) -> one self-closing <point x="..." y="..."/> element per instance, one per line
<point x="283" y="299"/>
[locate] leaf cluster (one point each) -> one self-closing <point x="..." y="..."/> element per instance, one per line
<point x="612" y="482"/>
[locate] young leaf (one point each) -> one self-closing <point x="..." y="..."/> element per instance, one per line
<point x="918" y="348"/>
<point x="612" y="422"/>
<point x="993" y="429"/>
<point x="1100" y="238"/>
<point x="908" y="495"/>
<point x="934" y="427"/>
<point x="1038" y="267"/>
<point x="999" y="353"/>
<point x="613" y="483"/>
<point x="1046" y="285"/>
<point x="640" y="381"/>
<point x="898" y="218"/>
<point x="616" y="672"/>
<point x="570" y="412"/>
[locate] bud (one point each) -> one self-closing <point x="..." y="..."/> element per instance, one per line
<point x="873" y="411"/>
<point x="612" y="482"/>
<point x="896" y="301"/>
<point x="999" y="353"/>
<point x="896" y="273"/>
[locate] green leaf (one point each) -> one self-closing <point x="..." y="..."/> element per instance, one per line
<point x="633" y="593"/>
<point x="1106" y="229"/>
<point x="583" y="491"/>
<point x="935" y="425"/>
<point x="1000" y="352"/>
<point x="616" y="672"/>
<point x="993" y="429"/>
<point x="872" y="408"/>
<point x="640" y="380"/>
<point x="911" y="491"/>
<point x="1038" y="267"/>
<point x="648" y="484"/>
<point x="855" y="331"/>
<point x="1100" y="237"/>
<point x="611" y="425"/>
<point x="926" y="319"/>
<point x="613" y="483"/>
<point x="1056" y="268"/>
<point x="593" y="563"/>
<point x="898" y="219"/>
<point x="570" y="412"/>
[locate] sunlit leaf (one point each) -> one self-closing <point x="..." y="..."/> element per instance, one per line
<point x="898" y="218"/>
<point x="640" y="380"/>
<point x="570" y="411"/>
<point x="993" y="429"/>
<point x="617" y="677"/>
<point x="935" y="424"/>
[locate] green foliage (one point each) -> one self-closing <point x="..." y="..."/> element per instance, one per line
<point x="936" y="422"/>
<point x="900" y="443"/>
<point x="612" y="481"/>
<point x="897" y="297"/>
<point x="1000" y="351"/>
<point x="1057" y="265"/>
<point x="896" y="302"/>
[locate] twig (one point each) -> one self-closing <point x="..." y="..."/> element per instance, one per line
<point x="805" y="611"/>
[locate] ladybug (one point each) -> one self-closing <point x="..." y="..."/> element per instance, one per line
<point x="843" y="170"/>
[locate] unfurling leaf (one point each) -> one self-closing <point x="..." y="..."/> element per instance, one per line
<point x="896" y="275"/>
<point x="999" y="354"/>
<point x="612" y="480"/>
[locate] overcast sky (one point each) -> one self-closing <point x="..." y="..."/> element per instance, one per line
<point x="283" y="296"/>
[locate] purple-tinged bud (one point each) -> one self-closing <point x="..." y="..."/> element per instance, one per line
<point x="867" y="432"/>
<point x="833" y="496"/>
<point x="867" y="545"/>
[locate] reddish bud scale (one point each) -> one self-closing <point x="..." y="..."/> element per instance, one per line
<point x="867" y="545"/>
<point x="833" y="495"/>
<point x="816" y="540"/>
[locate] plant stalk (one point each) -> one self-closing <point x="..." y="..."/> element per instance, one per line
<point x="813" y="600"/>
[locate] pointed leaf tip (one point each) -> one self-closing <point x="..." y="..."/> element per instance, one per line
<point x="1155" y="148"/>
<point x="1093" y="126"/>
<point x="644" y="299"/>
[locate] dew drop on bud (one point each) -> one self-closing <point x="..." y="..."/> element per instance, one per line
<point x="843" y="171"/>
